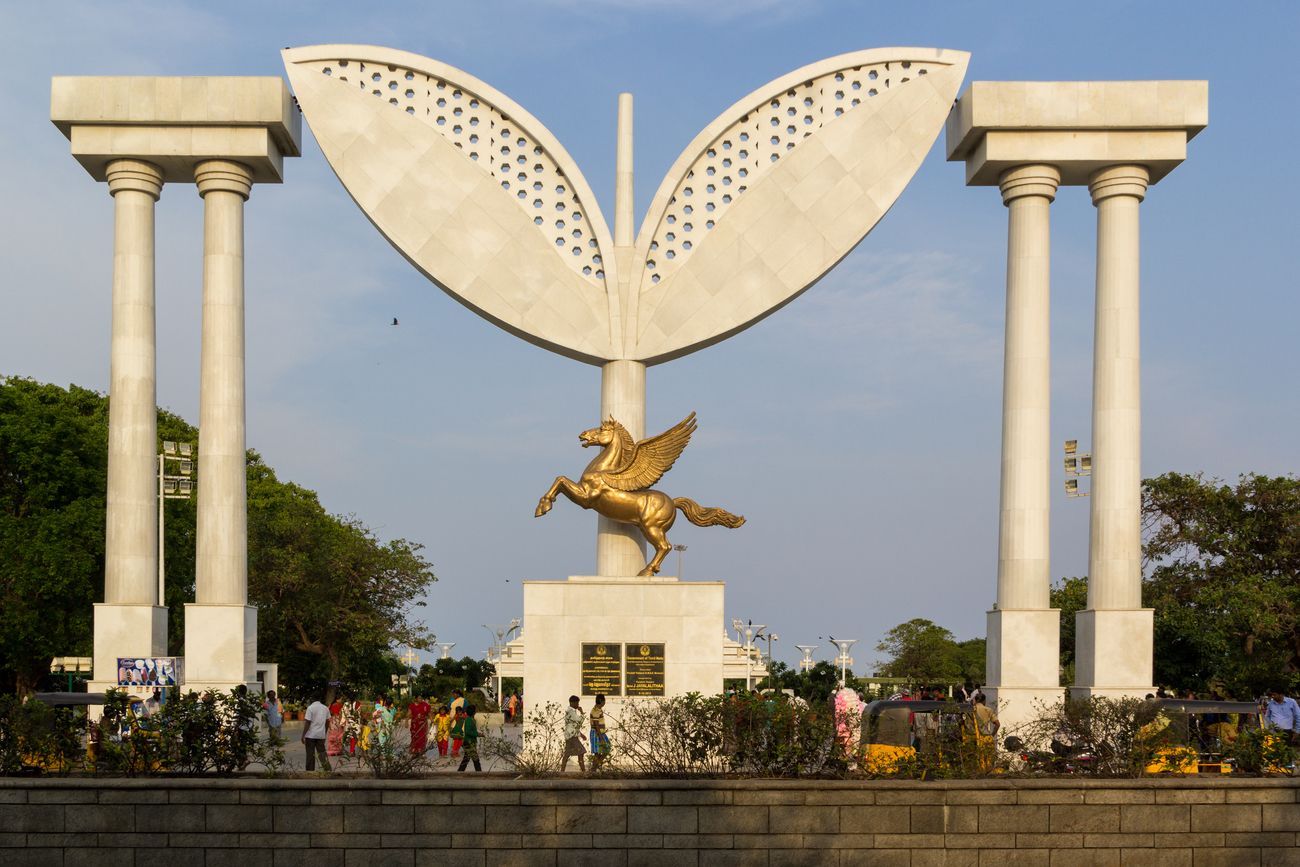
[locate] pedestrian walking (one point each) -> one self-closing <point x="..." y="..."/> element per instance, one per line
<point x="419" y="711"/>
<point x="1282" y="715"/>
<point x="471" y="740"/>
<point x="274" y="713"/>
<point x="457" y="731"/>
<point x="599" y="739"/>
<point x="442" y="729"/>
<point x="313" y="734"/>
<point x="573" y="736"/>
<point x="334" y="735"/>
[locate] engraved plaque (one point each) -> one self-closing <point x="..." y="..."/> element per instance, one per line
<point x="645" y="669"/>
<point x="602" y="668"/>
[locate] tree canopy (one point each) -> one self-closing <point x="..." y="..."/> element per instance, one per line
<point x="1223" y="575"/>
<point x="332" y="599"/>
<point x="924" y="652"/>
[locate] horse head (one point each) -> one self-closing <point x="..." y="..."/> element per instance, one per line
<point x="600" y="436"/>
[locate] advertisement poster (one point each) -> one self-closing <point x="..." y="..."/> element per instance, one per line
<point x="160" y="671"/>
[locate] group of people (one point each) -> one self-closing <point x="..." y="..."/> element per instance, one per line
<point x="343" y="727"/>
<point x="575" y="720"/>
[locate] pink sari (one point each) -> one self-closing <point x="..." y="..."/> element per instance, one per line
<point x="334" y="733"/>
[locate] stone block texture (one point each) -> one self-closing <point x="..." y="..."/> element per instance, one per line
<point x="490" y="821"/>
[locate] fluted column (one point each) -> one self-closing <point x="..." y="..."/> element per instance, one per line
<point x="220" y="627"/>
<point x="1114" y="653"/>
<point x="131" y="537"/>
<point x="1024" y="537"/>
<point x="129" y="622"/>
<point x="221" y="570"/>
<point x="1023" y="631"/>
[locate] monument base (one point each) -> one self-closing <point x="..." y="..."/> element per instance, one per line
<point x="220" y="646"/>
<point x="137" y="631"/>
<point x="1114" y="653"/>
<point x="632" y="616"/>
<point x="1023" y="663"/>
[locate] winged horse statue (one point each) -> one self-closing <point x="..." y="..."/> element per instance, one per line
<point x="617" y="485"/>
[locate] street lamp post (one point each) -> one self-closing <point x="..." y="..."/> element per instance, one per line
<point x="500" y="638"/>
<point x="175" y="487"/>
<point x="750" y="632"/>
<point x="771" y="636"/>
<point x="844" y="645"/>
<point x="679" y="549"/>
<point x="446" y="649"/>
<point x="806" y="664"/>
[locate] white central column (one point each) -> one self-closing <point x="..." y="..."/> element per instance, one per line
<point x="1022" y="658"/>
<point x="129" y="622"/>
<point x="220" y="628"/>
<point x="620" y="549"/>
<point x="1114" y="653"/>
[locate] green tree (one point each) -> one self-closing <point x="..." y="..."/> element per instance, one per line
<point x="1223" y="566"/>
<point x="970" y="656"/>
<point x="921" y="651"/>
<point x="1070" y="595"/>
<point x="332" y="599"/>
<point x="53" y="475"/>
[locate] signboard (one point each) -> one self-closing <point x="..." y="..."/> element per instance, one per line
<point x="159" y="671"/>
<point x="602" y="669"/>
<point x="645" y="669"/>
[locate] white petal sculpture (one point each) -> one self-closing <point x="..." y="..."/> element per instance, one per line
<point x="480" y="197"/>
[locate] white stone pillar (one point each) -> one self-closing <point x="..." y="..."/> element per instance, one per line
<point x="1022" y="658"/>
<point x="1114" y="644"/>
<point x="620" y="548"/>
<point x="220" y="627"/>
<point x="129" y="622"/>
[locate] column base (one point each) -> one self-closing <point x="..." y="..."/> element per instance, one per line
<point x="1114" y="653"/>
<point x="220" y="647"/>
<point x="125" y="630"/>
<point x="1023" y="663"/>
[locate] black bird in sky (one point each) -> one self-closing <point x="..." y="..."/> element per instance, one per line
<point x="394" y="320"/>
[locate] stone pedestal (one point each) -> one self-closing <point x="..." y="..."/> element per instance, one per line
<point x="1023" y="663"/>
<point x="220" y="646"/>
<point x="560" y="616"/>
<point x="123" y="630"/>
<point x="1113" y="653"/>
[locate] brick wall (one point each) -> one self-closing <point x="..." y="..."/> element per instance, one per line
<point x="491" y="821"/>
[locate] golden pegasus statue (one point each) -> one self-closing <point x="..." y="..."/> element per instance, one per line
<point x="616" y="484"/>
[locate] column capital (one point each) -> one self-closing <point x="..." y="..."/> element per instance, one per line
<point x="136" y="175"/>
<point x="223" y="176"/>
<point x="1029" y="180"/>
<point x="1119" y="181"/>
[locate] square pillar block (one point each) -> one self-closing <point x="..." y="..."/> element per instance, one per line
<point x="220" y="646"/>
<point x="1114" y="653"/>
<point x="560" y="616"/>
<point x="125" y="630"/>
<point x="1023" y="663"/>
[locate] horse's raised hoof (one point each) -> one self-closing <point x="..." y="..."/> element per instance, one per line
<point x="543" y="506"/>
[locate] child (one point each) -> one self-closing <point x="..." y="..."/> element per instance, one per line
<point x="442" y="732"/>
<point x="471" y="740"/>
<point x="458" y="731"/>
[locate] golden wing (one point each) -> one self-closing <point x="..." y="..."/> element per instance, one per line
<point x="652" y="458"/>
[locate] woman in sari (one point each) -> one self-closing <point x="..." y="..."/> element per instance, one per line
<point x="334" y="732"/>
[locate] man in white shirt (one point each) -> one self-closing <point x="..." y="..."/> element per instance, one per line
<point x="314" y="731"/>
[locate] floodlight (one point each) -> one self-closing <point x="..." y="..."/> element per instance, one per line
<point x="1071" y="466"/>
<point x="185" y="486"/>
<point x="1071" y="446"/>
<point x="187" y="449"/>
<point x="169" y="447"/>
<point x="169" y="487"/>
<point x="1072" y="487"/>
<point x="187" y="467"/>
<point x="1085" y="464"/>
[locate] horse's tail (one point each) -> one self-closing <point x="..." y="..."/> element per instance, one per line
<point x="703" y="516"/>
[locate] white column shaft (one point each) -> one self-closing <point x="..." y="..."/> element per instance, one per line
<point x="1115" y="549"/>
<point x="131" y="532"/>
<point x="221" y="567"/>
<point x="1024" y="537"/>
<point x="620" y="548"/>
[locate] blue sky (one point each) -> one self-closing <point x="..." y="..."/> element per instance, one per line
<point x="857" y="429"/>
